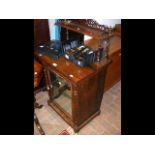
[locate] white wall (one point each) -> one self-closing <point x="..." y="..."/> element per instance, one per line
<point x="109" y="22"/>
<point x="51" y="28"/>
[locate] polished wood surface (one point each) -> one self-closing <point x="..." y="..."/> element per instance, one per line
<point x="118" y="30"/>
<point x="41" y="32"/>
<point x="38" y="73"/>
<point x="66" y="68"/>
<point x="114" y="70"/>
<point x="115" y="44"/>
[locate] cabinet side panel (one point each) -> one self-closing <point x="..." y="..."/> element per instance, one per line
<point x="101" y="83"/>
<point x="114" y="71"/>
<point x="88" y="98"/>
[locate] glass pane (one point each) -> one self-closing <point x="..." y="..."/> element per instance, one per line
<point x="62" y="93"/>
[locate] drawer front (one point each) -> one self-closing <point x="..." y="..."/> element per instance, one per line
<point x="113" y="74"/>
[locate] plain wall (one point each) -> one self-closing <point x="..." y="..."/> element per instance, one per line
<point x="109" y="22"/>
<point x="51" y="23"/>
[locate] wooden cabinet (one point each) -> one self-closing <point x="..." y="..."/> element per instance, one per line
<point x="75" y="93"/>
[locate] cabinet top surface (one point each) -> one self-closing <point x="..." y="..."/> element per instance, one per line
<point x="69" y="70"/>
<point x="115" y="44"/>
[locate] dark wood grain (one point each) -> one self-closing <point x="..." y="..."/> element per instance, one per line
<point x="41" y="36"/>
<point x="41" y="32"/>
<point x="114" y="70"/>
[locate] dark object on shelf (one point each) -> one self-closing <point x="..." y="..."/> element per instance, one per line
<point x="78" y="53"/>
<point x="67" y="35"/>
<point x="86" y="57"/>
<point x="52" y="49"/>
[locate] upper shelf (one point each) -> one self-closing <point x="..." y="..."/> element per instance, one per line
<point x="86" y="30"/>
<point x="114" y="44"/>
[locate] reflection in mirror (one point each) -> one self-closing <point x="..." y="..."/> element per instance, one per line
<point x="61" y="93"/>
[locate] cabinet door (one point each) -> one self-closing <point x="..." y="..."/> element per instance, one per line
<point x="60" y="92"/>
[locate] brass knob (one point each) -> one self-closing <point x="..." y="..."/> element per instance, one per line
<point x="40" y="55"/>
<point x="71" y="75"/>
<point x="47" y="88"/>
<point x="54" y="64"/>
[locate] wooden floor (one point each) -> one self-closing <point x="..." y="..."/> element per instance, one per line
<point x="107" y="123"/>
